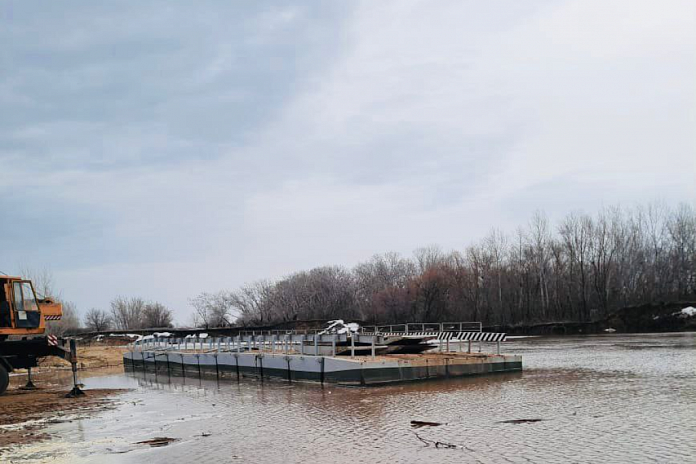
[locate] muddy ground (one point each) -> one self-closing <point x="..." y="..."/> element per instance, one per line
<point x="24" y="414"/>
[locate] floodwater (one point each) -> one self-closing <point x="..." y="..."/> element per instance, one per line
<point x="609" y="398"/>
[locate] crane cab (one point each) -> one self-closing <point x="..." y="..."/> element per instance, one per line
<point x="21" y="313"/>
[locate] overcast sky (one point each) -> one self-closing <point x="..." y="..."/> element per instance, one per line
<point x="161" y="149"/>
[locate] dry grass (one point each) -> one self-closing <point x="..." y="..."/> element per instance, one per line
<point x="95" y="356"/>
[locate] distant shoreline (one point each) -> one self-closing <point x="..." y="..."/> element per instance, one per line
<point x="648" y="318"/>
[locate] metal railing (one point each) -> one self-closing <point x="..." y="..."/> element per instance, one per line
<point x="302" y="344"/>
<point x="420" y="327"/>
<point x="410" y="327"/>
<point x="254" y="333"/>
<point x="325" y="344"/>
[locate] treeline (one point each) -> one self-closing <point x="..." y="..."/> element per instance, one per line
<point x="129" y="314"/>
<point x="579" y="269"/>
<point x="124" y="313"/>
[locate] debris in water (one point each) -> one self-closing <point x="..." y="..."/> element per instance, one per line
<point x="157" y="441"/>
<point x="441" y="444"/>
<point x="418" y="424"/>
<point x="519" y="421"/>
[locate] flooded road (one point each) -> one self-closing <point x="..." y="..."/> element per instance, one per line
<point x="612" y="398"/>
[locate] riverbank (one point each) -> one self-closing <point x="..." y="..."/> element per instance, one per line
<point x="648" y="318"/>
<point x="24" y="414"/>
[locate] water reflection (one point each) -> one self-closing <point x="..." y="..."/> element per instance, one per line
<point x="150" y="380"/>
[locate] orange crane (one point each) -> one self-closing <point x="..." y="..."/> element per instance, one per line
<point x="23" y="315"/>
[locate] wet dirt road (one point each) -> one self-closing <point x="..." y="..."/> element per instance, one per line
<point x="613" y="398"/>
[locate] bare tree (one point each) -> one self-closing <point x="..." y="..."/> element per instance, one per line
<point x="69" y="323"/>
<point x="43" y="282"/>
<point x="576" y="232"/>
<point x="97" y="320"/>
<point x="428" y="257"/>
<point x="682" y="251"/>
<point x="212" y="309"/>
<point x="654" y="228"/>
<point x="381" y="286"/>
<point x="254" y="302"/>
<point x="127" y="313"/>
<point x="156" y="315"/>
<point x="539" y="239"/>
<point x="496" y="245"/>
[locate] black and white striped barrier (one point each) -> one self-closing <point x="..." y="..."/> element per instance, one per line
<point x="473" y="336"/>
<point x="447" y="337"/>
<point x="461" y="336"/>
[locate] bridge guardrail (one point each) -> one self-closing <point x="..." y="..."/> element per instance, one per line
<point x="308" y="344"/>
